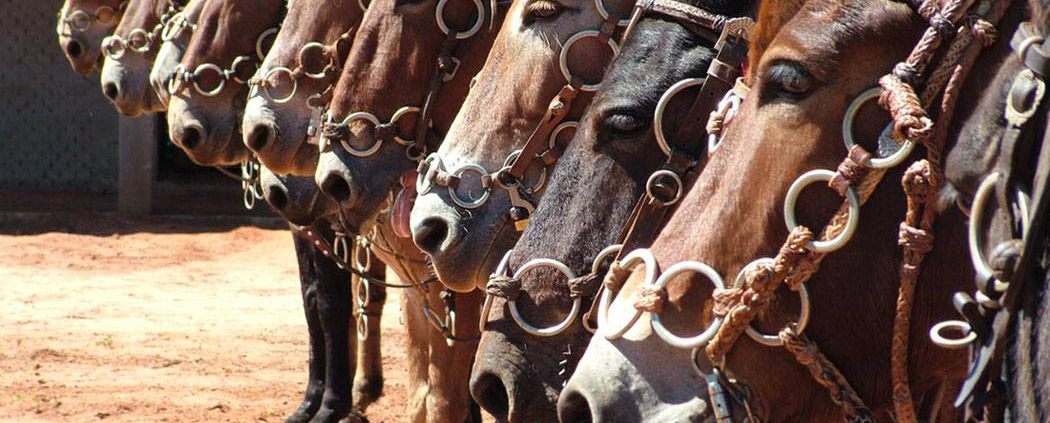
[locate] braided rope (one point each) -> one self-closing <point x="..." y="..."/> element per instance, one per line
<point x="808" y="354"/>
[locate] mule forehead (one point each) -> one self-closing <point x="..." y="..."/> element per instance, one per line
<point x="230" y="28"/>
<point x="141" y="14"/>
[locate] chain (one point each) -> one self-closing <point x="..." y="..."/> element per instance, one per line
<point x="139" y="40"/>
<point x="80" y="21"/>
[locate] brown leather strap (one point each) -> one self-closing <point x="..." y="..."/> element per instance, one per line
<point x="437" y="80"/>
<point x="1035" y="56"/>
<point x="697" y="20"/>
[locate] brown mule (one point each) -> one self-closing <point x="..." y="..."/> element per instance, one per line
<point x="82" y="24"/>
<point x="666" y="326"/>
<point x="175" y="37"/>
<point x="306" y="59"/>
<point x="209" y="89"/>
<point x="129" y="55"/>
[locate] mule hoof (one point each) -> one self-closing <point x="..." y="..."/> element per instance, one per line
<point x="304" y="413"/>
<point x="329" y="415"/>
<point x="367" y="392"/>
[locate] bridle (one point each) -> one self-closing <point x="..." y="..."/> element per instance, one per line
<point x="541" y="146"/>
<point x="210" y="79"/>
<point x="855" y="180"/>
<point x="139" y="40"/>
<point x="685" y="154"/>
<point x="1018" y="265"/>
<point x="326" y="128"/>
<point x="80" y="21"/>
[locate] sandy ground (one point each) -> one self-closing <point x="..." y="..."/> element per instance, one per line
<point x="120" y="319"/>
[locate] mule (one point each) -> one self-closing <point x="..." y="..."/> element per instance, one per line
<point x="306" y="58"/>
<point x="791" y="121"/>
<point x="209" y="90"/>
<point x="589" y="201"/>
<point x="82" y="24"/>
<point x="175" y="38"/>
<point x="129" y="55"/>
<point x="437" y="373"/>
<point x="466" y="228"/>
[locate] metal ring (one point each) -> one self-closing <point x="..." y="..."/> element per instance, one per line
<point x="563" y="57"/>
<point x="602" y="255"/>
<point x="486" y="307"/>
<point x="112" y="15"/>
<point x="397" y="116"/>
<point x="980" y="201"/>
<point x="361" y="4"/>
<point x="176" y="81"/>
<point x="80" y="20"/>
<point x="302" y="62"/>
<point x="661" y="282"/>
<point x="803" y="316"/>
<point x="674" y="176"/>
<point x="727" y="107"/>
<point x="851" y="222"/>
<point x="952" y="343"/>
<point x="196" y="79"/>
<point x="604" y="13"/>
<point x="552" y="143"/>
<point x="658" y="116"/>
<point x="424" y="180"/>
<point x="359" y="249"/>
<point x="270" y="84"/>
<point x="375" y="145"/>
<point x="440" y="17"/>
<point x="362" y="326"/>
<point x="139" y="34"/>
<point x="341" y="250"/>
<point x="538" y="186"/>
<point x="233" y="69"/>
<point x="259" y="41"/>
<point x="469" y="204"/>
<point x="249" y="197"/>
<point x="847" y="133"/>
<point x="111" y="42"/>
<point x="628" y="262"/>
<point x="551" y="330"/>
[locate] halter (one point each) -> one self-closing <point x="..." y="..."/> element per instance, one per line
<point x="139" y="40"/>
<point x="325" y="128"/>
<point x="80" y="21"/>
<point x="991" y="313"/>
<point x="665" y="186"/>
<point x="854" y="180"/>
<point x="210" y="79"/>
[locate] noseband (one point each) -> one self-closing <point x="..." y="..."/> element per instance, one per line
<point x="80" y="21"/>
<point x="139" y="40"/>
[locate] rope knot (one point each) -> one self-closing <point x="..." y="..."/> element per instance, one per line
<point x="909" y="118"/>
<point x="583" y="286"/>
<point x="942" y="26"/>
<point x="907" y="73"/>
<point x="851" y="170"/>
<point x="651" y="299"/>
<point x="715" y="122"/>
<point x="616" y="277"/>
<point x="983" y="30"/>
<point x="504" y="286"/>
<point x="336" y="131"/>
<point x="725" y="300"/>
<point x="919" y="181"/>
<point x="915" y="239"/>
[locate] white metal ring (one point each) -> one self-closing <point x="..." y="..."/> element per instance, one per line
<point x="139" y="36"/>
<point x="553" y="141"/>
<point x="600" y="5"/>
<point x="658" y="116"/>
<point x="952" y="343"/>
<point x="576" y="303"/>
<point x="852" y="220"/>
<point x="674" y="176"/>
<point x="112" y="20"/>
<point x="727" y="107"/>
<point x="469" y="204"/>
<point x="302" y="59"/>
<point x="661" y="282"/>
<point x="538" y="186"/>
<point x="563" y="57"/>
<point x="196" y="80"/>
<point x="259" y="42"/>
<point x="176" y="81"/>
<point x="440" y="16"/>
<point x="271" y="83"/>
<point x="424" y="180"/>
<point x="234" y="75"/>
<point x="359" y="249"/>
<point x="368" y="117"/>
<point x="847" y="133"/>
<point x="114" y="42"/>
<point x="803" y="315"/>
<point x="980" y="202"/>
<point x="604" y="254"/>
<point x="397" y="116"/>
<point x="80" y="20"/>
<point x="628" y="262"/>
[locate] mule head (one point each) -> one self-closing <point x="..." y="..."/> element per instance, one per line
<point x="589" y="197"/>
<point x="129" y="55"/>
<point x="175" y="37"/>
<point x="209" y="88"/>
<point x="802" y="82"/>
<point x="306" y="58"/>
<point x="82" y="24"/>
<point x="400" y="55"/>
<point x="466" y="227"/>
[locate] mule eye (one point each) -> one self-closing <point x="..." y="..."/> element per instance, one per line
<point x="624" y="125"/>
<point x="542" y="10"/>
<point x="789" y="80"/>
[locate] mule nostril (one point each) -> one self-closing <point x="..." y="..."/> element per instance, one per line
<point x="73" y="49"/>
<point x="191" y="137"/>
<point x="259" y="137"/>
<point x="431" y="234"/>
<point x="277" y="197"/>
<point x="336" y="187"/>
<point x="573" y="407"/>
<point x="111" y="91"/>
<point x="490" y="393"/>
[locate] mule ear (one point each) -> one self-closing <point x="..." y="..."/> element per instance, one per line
<point x="772" y="16"/>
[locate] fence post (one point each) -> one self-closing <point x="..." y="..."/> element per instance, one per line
<point x="138" y="163"/>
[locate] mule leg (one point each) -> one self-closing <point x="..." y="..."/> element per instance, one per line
<point x="333" y="301"/>
<point x="449" y="371"/>
<point x="368" y="382"/>
<point x="417" y="354"/>
<point x="308" y="281"/>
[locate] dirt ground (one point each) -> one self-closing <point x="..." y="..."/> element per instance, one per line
<point x="119" y="319"/>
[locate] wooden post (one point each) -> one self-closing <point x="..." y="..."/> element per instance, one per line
<point x="138" y="163"/>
